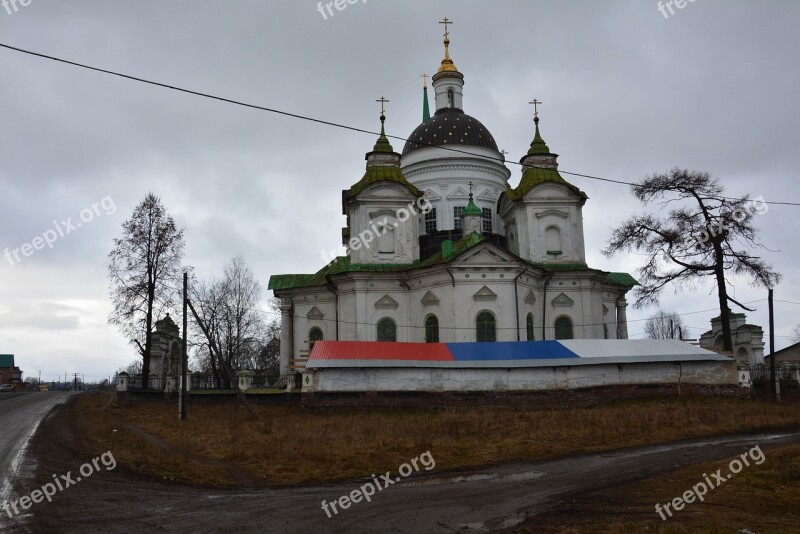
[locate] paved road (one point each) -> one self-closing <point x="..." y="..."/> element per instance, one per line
<point x="480" y="501"/>
<point x="20" y="415"/>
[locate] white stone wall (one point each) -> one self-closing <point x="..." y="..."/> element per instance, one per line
<point x="519" y="379"/>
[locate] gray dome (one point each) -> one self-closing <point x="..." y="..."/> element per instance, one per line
<point x="450" y="127"/>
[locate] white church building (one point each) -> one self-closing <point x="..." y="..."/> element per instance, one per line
<point x="446" y="245"/>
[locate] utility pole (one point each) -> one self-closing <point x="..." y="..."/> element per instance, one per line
<point x="184" y="358"/>
<point x="75" y="381"/>
<point x="776" y="393"/>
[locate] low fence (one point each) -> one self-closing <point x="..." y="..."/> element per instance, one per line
<point x="784" y="373"/>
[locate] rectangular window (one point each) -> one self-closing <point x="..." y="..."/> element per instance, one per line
<point x="430" y="221"/>
<point x="487" y="220"/>
<point x="457" y="211"/>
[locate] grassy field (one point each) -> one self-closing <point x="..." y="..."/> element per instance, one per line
<point x="761" y="498"/>
<point x="219" y="444"/>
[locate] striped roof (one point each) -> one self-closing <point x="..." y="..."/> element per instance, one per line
<point x="508" y="354"/>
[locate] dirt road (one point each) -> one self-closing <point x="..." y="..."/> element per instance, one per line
<point x="20" y="415"/>
<point x="479" y="501"/>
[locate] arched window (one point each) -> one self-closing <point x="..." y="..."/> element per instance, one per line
<point x="432" y="329"/>
<point x="451" y="102"/>
<point x="529" y="327"/>
<point x="314" y="335"/>
<point x="387" y="330"/>
<point x="485" y="327"/>
<point x="552" y="238"/>
<point x="386" y="239"/>
<point x="564" y="328"/>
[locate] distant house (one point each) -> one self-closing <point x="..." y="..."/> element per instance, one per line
<point x="9" y="374"/>
<point x="790" y="354"/>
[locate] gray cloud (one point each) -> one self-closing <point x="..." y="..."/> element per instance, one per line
<point x="625" y="92"/>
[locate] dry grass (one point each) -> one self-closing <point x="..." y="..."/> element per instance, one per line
<point x="762" y="498"/>
<point x="287" y="445"/>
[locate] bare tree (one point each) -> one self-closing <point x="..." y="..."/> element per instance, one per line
<point x="710" y="236"/>
<point x="235" y="329"/>
<point x="796" y="334"/>
<point x="134" y="368"/>
<point x="664" y="325"/>
<point x="144" y="272"/>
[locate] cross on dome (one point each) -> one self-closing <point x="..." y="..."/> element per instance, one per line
<point x="535" y="103"/>
<point x="382" y="101"/>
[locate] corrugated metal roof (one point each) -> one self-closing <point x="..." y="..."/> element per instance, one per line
<point x="369" y="354"/>
<point x="379" y="351"/>
<point x="508" y="364"/>
<point x="509" y="350"/>
<point x="604" y="348"/>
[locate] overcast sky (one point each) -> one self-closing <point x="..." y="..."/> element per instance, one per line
<point x="626" y="91"/>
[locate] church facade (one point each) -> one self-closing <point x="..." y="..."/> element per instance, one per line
<point x="441" y="248"/>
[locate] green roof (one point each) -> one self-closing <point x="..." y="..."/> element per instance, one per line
<point x="381" y="173"/>
<point x="382" y="144"/>
<point x="450" y="251"/>
<point x="342" y="265"/>
<point x="462" y="245"/>
<point x="621" y="279"/>
<point x="534" y="176"/>
<point x="538" y="146"/>
<point x="6" y="360"/>
<point x="538" y="174"/>
<point x="471" y="208"/>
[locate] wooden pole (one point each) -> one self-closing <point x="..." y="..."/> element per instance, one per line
<point x="184" y="358"/>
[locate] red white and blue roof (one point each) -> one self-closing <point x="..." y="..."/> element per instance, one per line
<point x="504" y="354"/>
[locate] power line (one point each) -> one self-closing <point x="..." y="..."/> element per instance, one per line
<point x="312" y="119"/>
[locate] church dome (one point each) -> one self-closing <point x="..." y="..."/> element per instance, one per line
<point x="450" y="127"/>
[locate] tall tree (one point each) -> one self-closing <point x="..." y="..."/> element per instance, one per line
<point x="145" y="274"/>
<point x="705" y="235"/>
<point x="234" y="327"/>
<point x="664" y="325"/>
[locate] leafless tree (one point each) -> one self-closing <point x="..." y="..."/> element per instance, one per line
<point x="705" y="235"/>
<point x="796" y="334"/>
<point x="235" y="327"/>
<point x="134" y="368"/>
<point x="145" y="273"/>
<point x="664" y="325"/>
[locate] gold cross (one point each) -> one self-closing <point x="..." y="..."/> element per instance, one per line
<point x="382" y="101"/>
<point x="470" y="188"/>
<point x="535" y="103"/>
<point x="424" y="79"/>
<point x="446" y="21"/>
